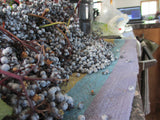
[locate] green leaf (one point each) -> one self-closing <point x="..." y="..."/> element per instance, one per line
<point x="48" y="25"/>
<point x="4" y="109"/>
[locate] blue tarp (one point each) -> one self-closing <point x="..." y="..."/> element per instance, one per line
<point x="81" y="92"/>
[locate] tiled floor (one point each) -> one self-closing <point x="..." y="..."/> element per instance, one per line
<point x="153" y="116"/>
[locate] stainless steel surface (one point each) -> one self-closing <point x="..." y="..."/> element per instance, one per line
<point x="86" y="15"/>
<point x="84" y="11"/>
<point x="85" y="26"/>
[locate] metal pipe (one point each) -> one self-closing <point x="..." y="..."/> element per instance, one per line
<point x="86" y="15"/>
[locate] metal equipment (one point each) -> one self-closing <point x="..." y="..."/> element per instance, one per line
<point x="146" y="61"/>
<point x="86" y="15"/>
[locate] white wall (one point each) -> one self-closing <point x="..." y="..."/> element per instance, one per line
<point x="128" y="3"/>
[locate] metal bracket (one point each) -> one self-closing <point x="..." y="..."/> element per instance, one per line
<point x="147" y="63"/>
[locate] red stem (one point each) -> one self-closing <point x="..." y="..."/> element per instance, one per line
<point x="30" y="69"/>
<point x="56" y="27"/>
<point x="11" y="75"/>
<point x="12" y="90"/>
<point x="3" y="24"/>
<point x="77" y="5"/>
<point x="20" y="78"/>
<point x="39" y="79"/>
<point x="1" y="81"/>
<point x="69" y="44"/>
<point x="13" y="37"/>
<point x="29" y="100"/>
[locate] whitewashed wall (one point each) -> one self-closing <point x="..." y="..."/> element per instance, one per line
<point x="128" y="3"/>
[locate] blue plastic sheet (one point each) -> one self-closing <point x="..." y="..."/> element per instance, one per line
<point x="81" y="92"/>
